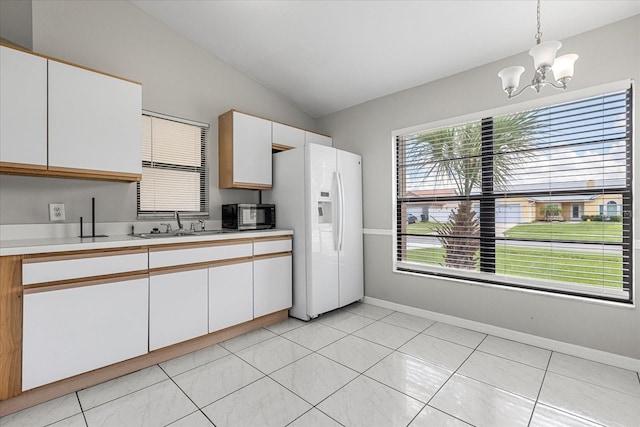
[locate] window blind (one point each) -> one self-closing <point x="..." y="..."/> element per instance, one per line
<point x="174" y="167"/>
<point x="538" y="199"/>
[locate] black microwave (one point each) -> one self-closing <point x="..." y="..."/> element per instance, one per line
<point x="248" y="216"/>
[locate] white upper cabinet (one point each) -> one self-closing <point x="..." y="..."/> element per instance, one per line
<point x="287" y="136"/>
<point x="316" y="138"/>
<point x="244" y="144"/>
<point x="57" y="119"/>
<point x="23" y="108"/>
<point x="94" y="121"/>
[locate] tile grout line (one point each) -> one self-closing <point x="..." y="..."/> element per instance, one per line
<point x="84" y="415"/>
<point x="124" y="395"/>
<point x="359" y="374"/>
<point x="537" y="402"/>
<point x="544" y="376"/>
<point x="448" y="379"/>
<point x="188" y="397"/>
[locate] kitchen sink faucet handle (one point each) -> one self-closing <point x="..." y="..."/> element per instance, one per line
<point x="168" y="227"/>
<point x="201" y="221"/>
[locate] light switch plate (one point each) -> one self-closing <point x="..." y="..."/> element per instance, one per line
<point x="56" y="211"/>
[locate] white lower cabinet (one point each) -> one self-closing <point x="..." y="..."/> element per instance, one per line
<point x="230" y="295"/>
<point x="70" y="331"/>
<point x="81" y="313"/>
<point x="272" y="287"/>
<point x="177" y="307"/>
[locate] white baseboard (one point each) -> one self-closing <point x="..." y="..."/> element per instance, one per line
<point x="549" y="344"/>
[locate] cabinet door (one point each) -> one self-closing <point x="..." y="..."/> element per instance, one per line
<point x="271" y="284"/>
<point x="23" y="108"/>
<point x="66" y="267"/>
<point x="288" y="136"/>
<point x="316" y="138"/>
<point x="177" y="307"/>
<point x="70" y="331"/>
<point x="230" y="295"/>
<point x="251" y="151"/>
<point x="94" y="121"/>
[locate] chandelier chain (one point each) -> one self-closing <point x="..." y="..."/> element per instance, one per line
<point x="538" y="34"/>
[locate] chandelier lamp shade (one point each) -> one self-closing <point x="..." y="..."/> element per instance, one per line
<point x="544" y="62"/>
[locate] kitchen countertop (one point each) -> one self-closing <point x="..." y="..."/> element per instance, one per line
<point x="65" y="244"/>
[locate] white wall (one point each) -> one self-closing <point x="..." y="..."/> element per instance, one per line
<point x="178" y="78"/>
<point x="608" y="54"/>
<point x="15" y="23"/>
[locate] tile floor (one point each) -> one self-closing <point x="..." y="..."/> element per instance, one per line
<point x="358" y="366"/>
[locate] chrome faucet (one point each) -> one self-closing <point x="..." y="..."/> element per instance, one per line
<point x="168" y="227"/>
<point x="201" y="221"/>
<point x="179" y="222"/>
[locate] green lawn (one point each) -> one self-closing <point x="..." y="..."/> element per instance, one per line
<point x="578" y="231"/>
<point x="422" y="227"/>
<point x="567" y="266"/>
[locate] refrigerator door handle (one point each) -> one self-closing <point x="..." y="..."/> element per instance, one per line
<point x="336" y="212"/>
<point x="341" y="212"/>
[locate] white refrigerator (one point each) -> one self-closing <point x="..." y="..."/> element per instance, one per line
<point x="317" y="191"/>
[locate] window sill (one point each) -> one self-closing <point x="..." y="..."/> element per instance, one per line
<point x="584" y="293"/>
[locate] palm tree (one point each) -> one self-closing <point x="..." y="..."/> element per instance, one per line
<point x="451" y="157"/>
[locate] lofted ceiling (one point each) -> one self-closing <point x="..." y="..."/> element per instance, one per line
<point x="325" y="56"/>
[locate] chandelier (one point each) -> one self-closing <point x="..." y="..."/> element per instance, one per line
<point x="544" y="60"/>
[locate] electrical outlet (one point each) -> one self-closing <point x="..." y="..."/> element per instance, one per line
<point x="56" y="211"/>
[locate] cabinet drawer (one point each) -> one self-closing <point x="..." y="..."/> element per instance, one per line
<point x="51" y="269"/>
<point x="261" y="247"/>
<point x="192" y="255"/>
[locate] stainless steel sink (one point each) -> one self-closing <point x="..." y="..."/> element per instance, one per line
<point x="182" y="233"/>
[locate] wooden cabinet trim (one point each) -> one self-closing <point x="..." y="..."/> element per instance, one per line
<point x="198" y="266"/>
<point x="18" y="168"/>
<point x="55" y="172"/>
<point x="84" y="282"/>
<point x="188" y="245"/>
<point x="11" y="295"/>
<point x="225" y="150"/>
<point x="273" y="255"/>
<point x="66" y="62"/>
<point x="61" y="172"/>
<point x="91" y="253"/>
<point x="271" y="238"/>
<point x="280" y="147"/>
<point x="248" y="186"/>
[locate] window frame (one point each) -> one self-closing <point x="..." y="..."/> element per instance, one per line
<point x="203" y="170"/>
<point x="522" y="283"/>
